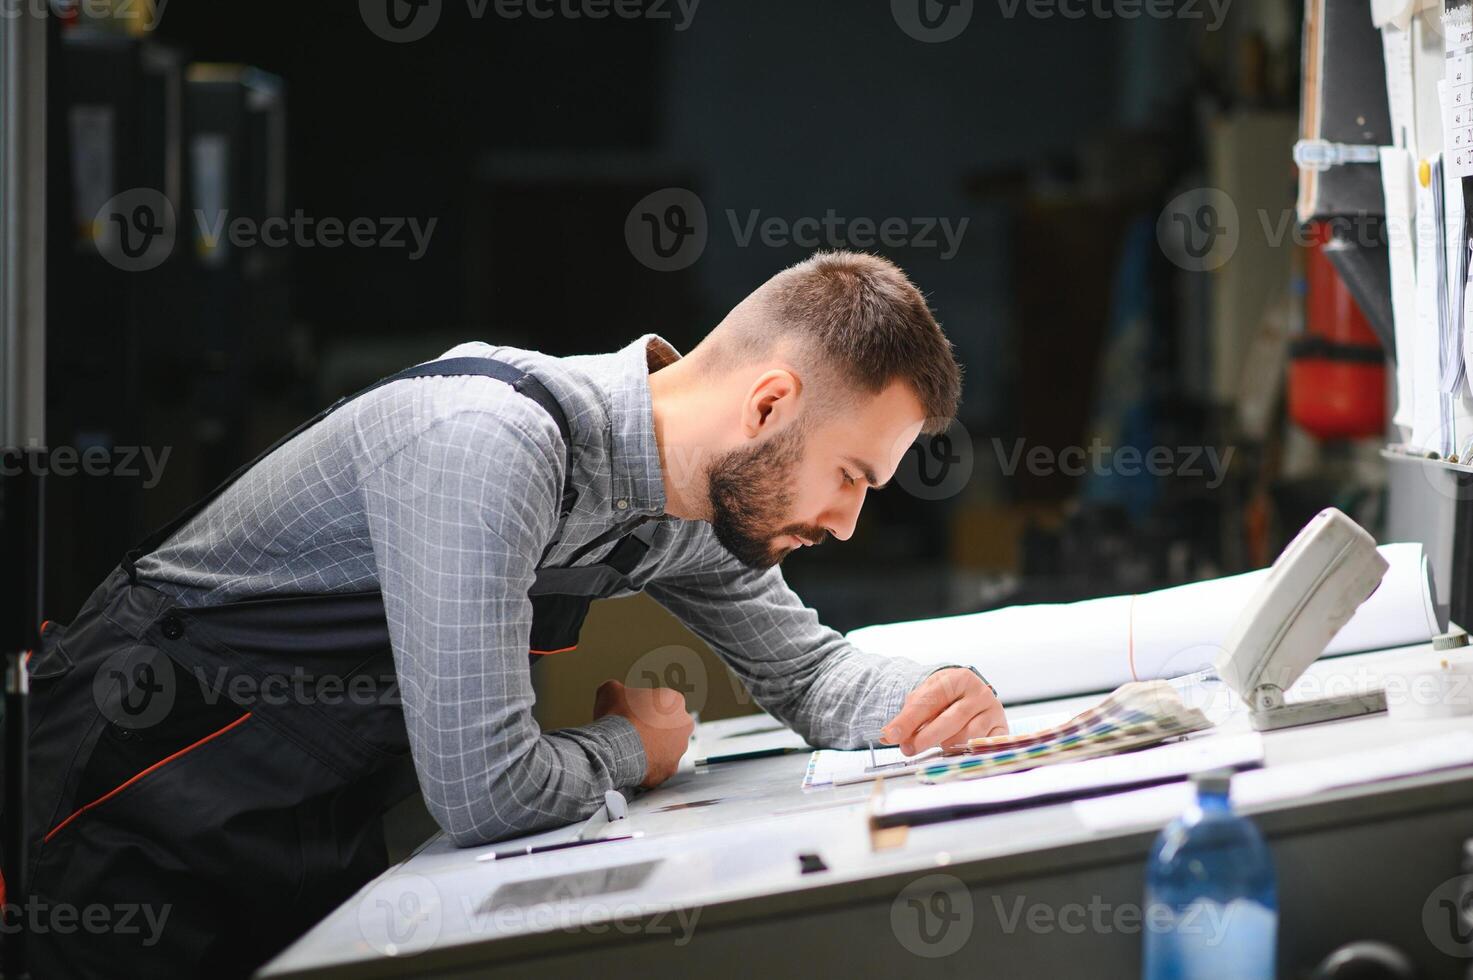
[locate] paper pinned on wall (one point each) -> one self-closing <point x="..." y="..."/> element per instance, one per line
<point x="1457" y="108"/>
<point x="1392" y="13"/>
<point x="1396" y="183"/>
<point x="1431" y="421"/>
<point x="1396" y="44"/>
<point x="1455" y="270"/>
<point x="1429" y="59"/>
<point x="1467" y="334"/>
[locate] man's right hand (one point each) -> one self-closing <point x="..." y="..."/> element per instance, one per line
<point x="658" y="714"/>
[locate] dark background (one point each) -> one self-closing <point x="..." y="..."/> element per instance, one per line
<point x="1056" y="135"/>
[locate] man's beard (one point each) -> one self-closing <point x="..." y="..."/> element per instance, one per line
<point x="750" y="491"/>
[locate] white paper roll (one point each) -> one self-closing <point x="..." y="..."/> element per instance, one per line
<point x="1060" y="649"/>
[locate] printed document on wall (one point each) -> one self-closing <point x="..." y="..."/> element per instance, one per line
<point x="1396" y="181"/>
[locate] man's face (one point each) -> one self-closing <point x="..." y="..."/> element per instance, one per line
<point x="807" y="481"/>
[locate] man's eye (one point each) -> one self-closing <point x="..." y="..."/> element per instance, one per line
<point x="848" y="480"/>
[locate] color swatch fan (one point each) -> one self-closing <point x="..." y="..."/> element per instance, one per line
<point x="1136" y="715"/>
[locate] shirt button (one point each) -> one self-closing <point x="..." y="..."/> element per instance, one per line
<point x="621" y="504"/>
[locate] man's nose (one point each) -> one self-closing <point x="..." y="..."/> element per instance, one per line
<point x="844" y="515"/>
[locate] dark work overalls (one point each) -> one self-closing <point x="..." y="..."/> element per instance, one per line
<point x="228" y="766"/>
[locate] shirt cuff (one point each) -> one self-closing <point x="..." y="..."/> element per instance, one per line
<point x="622" y="751"/>
<point x="910" y="676"/>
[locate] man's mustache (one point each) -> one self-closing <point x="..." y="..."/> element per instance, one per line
<point x="809" y="533"/>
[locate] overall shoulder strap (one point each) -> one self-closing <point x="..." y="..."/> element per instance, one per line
<point x="522" y="382"/>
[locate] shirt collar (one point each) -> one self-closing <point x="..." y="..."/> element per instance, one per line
<point x="638" y="481"/>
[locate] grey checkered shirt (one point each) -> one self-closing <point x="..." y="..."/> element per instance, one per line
<point x="443" y="493"/>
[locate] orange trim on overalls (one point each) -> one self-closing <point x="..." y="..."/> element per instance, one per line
<point x="548" y="653"/>
<point x="157" y="765"/>
<point x="26" y="660"/>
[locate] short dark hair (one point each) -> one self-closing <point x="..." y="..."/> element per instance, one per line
<point x="868" y="322"/>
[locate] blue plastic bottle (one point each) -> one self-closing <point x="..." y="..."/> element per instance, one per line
<point x="1211" y="903"/>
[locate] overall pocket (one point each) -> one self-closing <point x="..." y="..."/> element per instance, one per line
<point x="154" y="712"/>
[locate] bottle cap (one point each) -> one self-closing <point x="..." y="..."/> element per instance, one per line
<point x="1450" y="641"/>
<point x="1218" y="781"/>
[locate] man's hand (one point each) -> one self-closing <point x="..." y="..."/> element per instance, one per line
<point x="658" y="714"/>
<point x="946" y="708"/>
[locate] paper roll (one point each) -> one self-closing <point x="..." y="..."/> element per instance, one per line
<point x="1034" y="652"/>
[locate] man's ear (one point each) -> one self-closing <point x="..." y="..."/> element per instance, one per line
<point x="771" y="402"/>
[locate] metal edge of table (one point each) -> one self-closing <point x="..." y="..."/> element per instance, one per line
<point x="1375" y="802"/>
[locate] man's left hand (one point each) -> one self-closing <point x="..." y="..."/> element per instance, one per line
<point x="947" y="708"/>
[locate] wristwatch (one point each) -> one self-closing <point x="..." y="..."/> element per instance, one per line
<point x="974" y="670"/>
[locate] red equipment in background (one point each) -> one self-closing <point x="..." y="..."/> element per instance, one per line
<point x="1337" y="370"/>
